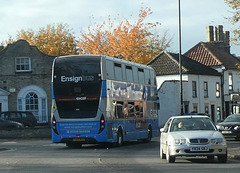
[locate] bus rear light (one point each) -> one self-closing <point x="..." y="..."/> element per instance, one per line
<point x="102" y="124"/>
<point x="54" y="125"/>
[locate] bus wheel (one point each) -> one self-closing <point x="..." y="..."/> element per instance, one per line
<point x="73" y="145"/>
<point x="119" y="138"/>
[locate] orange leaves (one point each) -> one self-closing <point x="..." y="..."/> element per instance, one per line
<point x="129" y="40"/>
<point x="52" y="40"/>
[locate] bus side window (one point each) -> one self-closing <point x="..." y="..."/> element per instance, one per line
<point x="139" y="109"/>
<point x="109" y="69"/>
<point x="141" y="75"/>
<point x="119" y="110"/>
<point x="125" y="110"/>
<point x="147" y="76"/>
<point x="129" y="73"/>
<point x="131" y="111"/>
<point x="135" y="74"/>
<point x="118" y="71"/>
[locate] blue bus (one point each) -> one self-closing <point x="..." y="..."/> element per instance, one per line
<point x="100" y="99"/>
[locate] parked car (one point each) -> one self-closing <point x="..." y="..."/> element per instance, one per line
<point x="26" y="118"/>
<point x="191" y="136"/>
<point x="230" y="127"/>
<point x="9" y="125"/>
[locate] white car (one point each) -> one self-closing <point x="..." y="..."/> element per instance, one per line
<point x="191" y="136"/>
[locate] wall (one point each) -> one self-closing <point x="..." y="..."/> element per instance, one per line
<point x="40" y="74"/>
<point x="169" y="95"/>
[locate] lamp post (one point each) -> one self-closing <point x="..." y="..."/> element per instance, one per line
<point x="180" y="55"/>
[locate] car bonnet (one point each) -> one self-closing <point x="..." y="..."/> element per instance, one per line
<point x="196" y="134"/>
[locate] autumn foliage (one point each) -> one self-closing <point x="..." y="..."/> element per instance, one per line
<point x="133" y="41"/>
<point x="53" y="40"/>
<point x="130" y="41"/>
<point x="235" y="5"/>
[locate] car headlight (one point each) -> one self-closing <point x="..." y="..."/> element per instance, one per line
<point x="219" y="127"/>
<point x="217" y="140"/>
<point x="236" y="127"/>
<point x="180" y="141"/>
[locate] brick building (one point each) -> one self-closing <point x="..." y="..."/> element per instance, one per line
<point x="25" y="80"/>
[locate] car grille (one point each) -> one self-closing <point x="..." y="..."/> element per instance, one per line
<point x="228" y="127"/>
<point x="198" y="141"/>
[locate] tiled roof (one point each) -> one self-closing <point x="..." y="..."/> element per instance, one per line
<point x="210" y="55"/>
<point x="167" y="63"/>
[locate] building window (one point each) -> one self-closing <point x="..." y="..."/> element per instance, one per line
<point x="206" y="109"/>
<point x="194" y="89"/>
<point x="195" y="108"/>
<point x="34" y="99"/>
<point x="230" y="81"/>
<point x="218" y="113"/>
<point x="32" y="103"/>
<point x="205" y="86"/>
<point x="23" y="64"/>
<point x="217" y="89"/>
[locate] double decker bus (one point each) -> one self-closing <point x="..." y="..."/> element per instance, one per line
<point x="100" y="99"/>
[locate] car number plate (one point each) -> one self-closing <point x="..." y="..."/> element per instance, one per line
<point x="78" y="139"/>
<point x="226" y="132"/>
<point x="199" y="149"/>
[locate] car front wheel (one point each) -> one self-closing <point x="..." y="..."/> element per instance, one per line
<point x="170" y="159"/>
<point x="162" y="155"/>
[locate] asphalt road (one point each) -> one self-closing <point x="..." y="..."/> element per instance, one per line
<point x="42" y="156"/>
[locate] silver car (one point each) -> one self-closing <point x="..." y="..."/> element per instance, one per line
<point x="191" y="136"/>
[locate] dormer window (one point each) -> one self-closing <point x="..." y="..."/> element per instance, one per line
<point x="23" y="64"/>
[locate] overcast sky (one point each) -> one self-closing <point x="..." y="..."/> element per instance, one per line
<point x="196" y="15"/>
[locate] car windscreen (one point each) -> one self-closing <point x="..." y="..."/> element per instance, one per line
<point x="232" y="118"/>
<point x="188" y="124"/>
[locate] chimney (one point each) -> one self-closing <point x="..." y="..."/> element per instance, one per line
<point x="210" y="34"/>
<point x="219" y="33"/>
<point x="218" y="37"/>
<point x="226" y="38"/>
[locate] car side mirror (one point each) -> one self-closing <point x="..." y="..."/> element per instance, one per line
<point x="163" y="130"/>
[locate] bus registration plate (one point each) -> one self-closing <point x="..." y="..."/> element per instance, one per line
<point x="78" y="139"/>
<point x="199" y="149"/>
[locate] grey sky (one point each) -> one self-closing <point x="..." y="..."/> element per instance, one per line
<point x="196" y="15"/>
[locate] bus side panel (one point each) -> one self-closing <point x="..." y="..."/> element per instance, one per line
<point x="155" y="128"/>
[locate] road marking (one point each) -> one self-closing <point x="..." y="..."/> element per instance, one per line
<point x="13" y="142"/>
<point x="100" y="160"/>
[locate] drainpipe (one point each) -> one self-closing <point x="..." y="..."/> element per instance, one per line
<point x="222" y="93"/>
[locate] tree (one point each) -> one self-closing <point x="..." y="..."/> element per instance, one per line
<point x="53" y="40"/>
<point x="235" y="5"/>
<point x="130" y="41"/>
